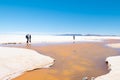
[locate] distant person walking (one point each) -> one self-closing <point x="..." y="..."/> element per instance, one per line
<point x="28" y="37"/>
<point x="73" y="37"/>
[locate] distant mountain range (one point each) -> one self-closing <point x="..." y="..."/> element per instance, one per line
<point x="83" y="35"/>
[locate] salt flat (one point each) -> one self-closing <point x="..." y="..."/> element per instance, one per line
<point x="114" y="45"/>
<point x="49" y="38"/>
<point x="15" y="61"/>
<point x="113" y="65"/>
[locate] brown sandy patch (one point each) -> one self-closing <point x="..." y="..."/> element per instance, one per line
<point x="73" y="61"/>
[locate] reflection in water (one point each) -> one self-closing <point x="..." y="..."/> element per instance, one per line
<point x="28" y="45"/>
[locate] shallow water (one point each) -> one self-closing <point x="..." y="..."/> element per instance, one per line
<point x="73" y="61"/>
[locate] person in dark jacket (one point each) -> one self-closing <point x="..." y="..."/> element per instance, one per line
<point x="28" y="37"/>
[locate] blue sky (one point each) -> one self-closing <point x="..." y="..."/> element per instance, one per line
<point x="60" y="16"/>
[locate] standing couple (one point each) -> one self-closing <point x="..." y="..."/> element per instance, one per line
<point x="28" y="37"/>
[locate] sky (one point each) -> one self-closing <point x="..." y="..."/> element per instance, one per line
<point x="60" y="16"/>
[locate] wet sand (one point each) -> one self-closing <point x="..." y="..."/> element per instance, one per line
<point x="73" y="61"/>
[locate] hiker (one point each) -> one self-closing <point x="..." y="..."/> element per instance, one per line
<point x="28" y="37"/>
